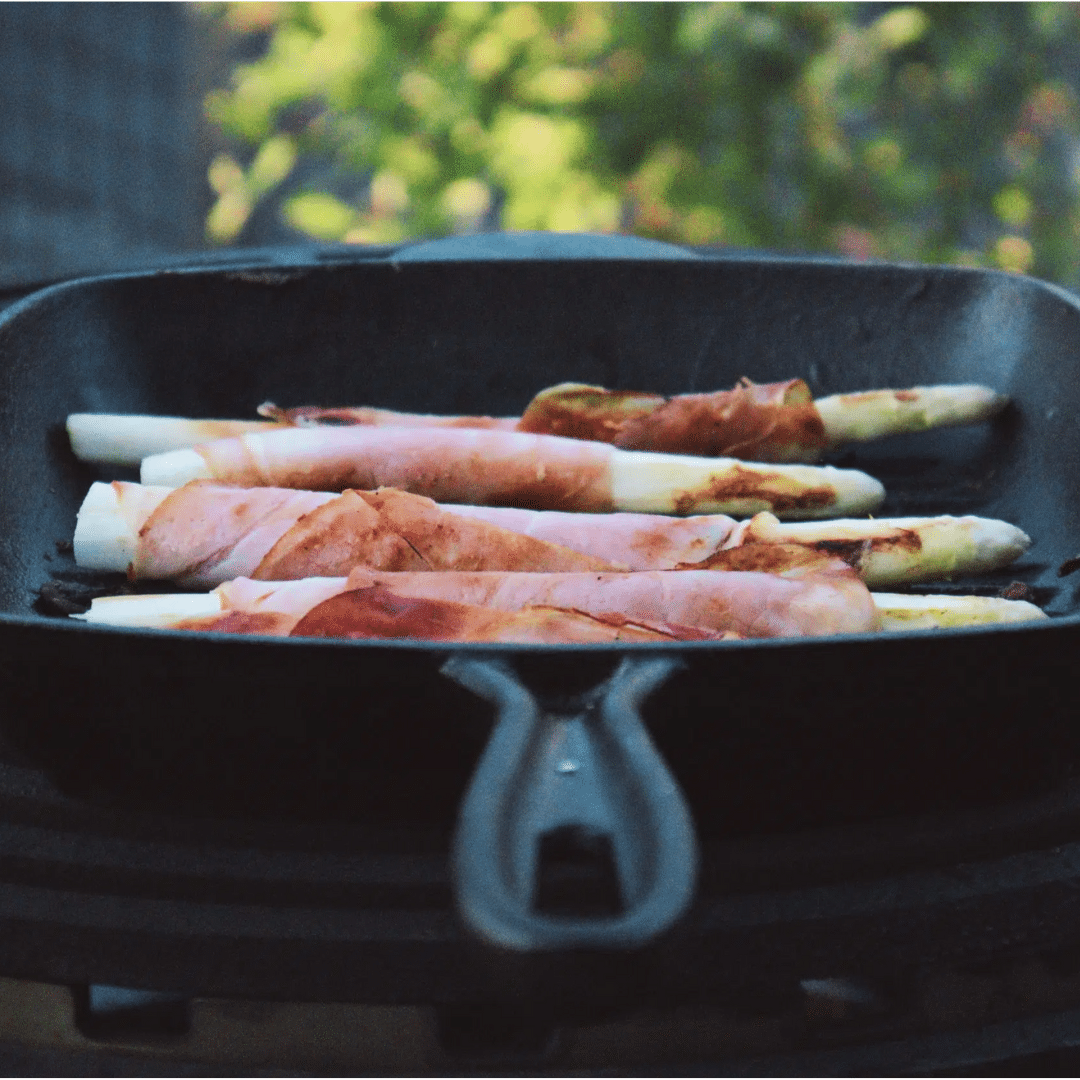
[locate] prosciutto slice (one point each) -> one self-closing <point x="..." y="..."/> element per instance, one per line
<point x="377" y="612"/>
<point x="754" y="421"/>
<point x="205" y="533"/>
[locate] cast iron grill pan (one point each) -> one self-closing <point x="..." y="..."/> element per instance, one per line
<point x="372" y="741"/>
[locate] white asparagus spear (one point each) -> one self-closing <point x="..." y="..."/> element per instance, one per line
<point x="508" y="468"/>
<point x="873" y="414"/>
<point x="887" y="551"/>
<point x="898" y="551"/>
<point x="902" y="612"/>
<point x="118" y="439"/>
<point x="897" y="611"/>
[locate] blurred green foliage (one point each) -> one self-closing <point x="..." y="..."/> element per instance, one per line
<point x="926" y="132"/>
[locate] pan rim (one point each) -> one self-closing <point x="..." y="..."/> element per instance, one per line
<point x="47" y="623"/>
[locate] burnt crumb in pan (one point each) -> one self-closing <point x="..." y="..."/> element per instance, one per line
<point x="65" y="594"/>
<point x="1018" y="590"/>
<point x="1069" y="566"/>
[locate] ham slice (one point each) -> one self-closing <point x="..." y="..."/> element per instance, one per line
<point x="503" y="468"/>
<point x="376" y="612"/>
<point x="205" y="533"/>
<point x="631" y="541"/>
<point x="755" y="421"/>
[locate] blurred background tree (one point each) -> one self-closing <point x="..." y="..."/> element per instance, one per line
<point x="941" y="133"/>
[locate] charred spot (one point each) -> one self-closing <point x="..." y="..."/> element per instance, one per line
<point x="764" y="558"/>
<point x="1018" y="591"/>
<point x="906" y="395"/>
<point x="812" y="499"/>
<point x="1069" y="566"/>
<point x="685" y="503"/>
<point x="907" y="539"/>
<point x="740" y="483"/>
<point x="851" y="551"/>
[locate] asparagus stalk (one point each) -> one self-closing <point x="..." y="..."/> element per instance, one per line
<point x="897" y="611"/>
<point x="898" y="551"/>
<point x="874" y="414"/>
<point x="114" y="439"/>
<point x="902" y="612"/>
<point x="117" y="439"/>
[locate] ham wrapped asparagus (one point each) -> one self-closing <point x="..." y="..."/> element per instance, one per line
<point x="503" y="468"/>
<point x="203" y="534"/>
<point x="812" y="601"/>
<point x="772" y="422"/>
<point x="779" y="422"/>
<point x="826" y="598"/>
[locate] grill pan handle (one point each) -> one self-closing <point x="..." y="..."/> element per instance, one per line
<point x="589" y="772"/>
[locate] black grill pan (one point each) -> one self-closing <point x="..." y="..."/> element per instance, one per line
<point x="761" y="737"/>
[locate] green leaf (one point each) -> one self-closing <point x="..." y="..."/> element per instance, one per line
<point x="319" y="215"/>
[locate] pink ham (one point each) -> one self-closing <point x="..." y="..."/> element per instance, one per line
<point x="376" y="612"/>
<point x="497" y="468"/>
<point x="633" y="541"/>
<point x="205" y="533"/>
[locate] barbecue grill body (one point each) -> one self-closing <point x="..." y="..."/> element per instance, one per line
<point x="270" y="818"/>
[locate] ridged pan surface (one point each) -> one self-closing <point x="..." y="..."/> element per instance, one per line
<point x="761" y="735"/>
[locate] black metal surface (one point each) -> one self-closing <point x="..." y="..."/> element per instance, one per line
<point x="271" y="818"/>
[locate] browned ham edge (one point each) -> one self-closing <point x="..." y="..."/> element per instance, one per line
<point x="773" y="422"/>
